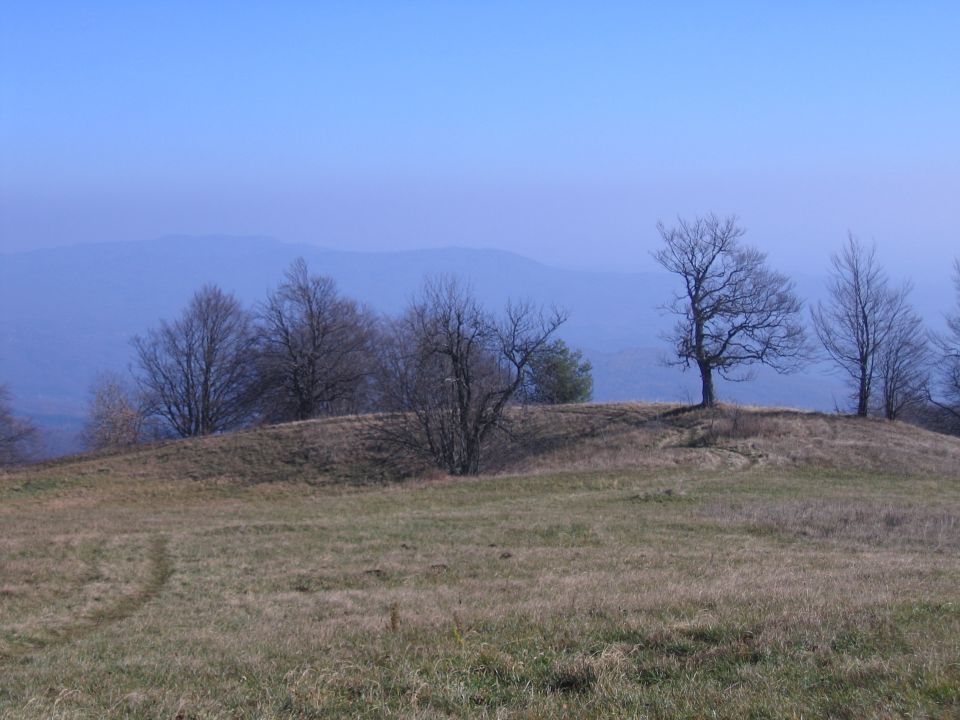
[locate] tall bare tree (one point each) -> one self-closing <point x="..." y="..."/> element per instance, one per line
<point x="450" y="368"/>
<point x="114" y="416"/>
<point x="734" y="312"/>
<point x="858" y="317"/>
<point x="18" y="436"/>
<point x="195" y="373"/>
<point x="948" y="351"/>
<point x="315" y="348"/>
<point x="902" y="364"/>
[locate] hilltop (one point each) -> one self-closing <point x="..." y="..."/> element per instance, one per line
<point x="545" y="439"/>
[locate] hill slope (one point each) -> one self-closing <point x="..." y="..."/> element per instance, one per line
<point x="591" y="437"/>
<point x="623" y="561"/>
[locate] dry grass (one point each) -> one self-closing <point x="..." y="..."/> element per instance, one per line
<point x="690" y="571"/>
<point x="662" y="437"/>
<point x="348" y="450"/>
<point x="934" y="528"/>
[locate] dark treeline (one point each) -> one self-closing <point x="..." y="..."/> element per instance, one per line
<point x="446" y="368"/>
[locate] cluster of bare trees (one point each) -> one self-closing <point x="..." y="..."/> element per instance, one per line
<point x="305" y="351"/>
<point x="896" y="367"/>
<point x="447" y="367"/>
<point x="872" y="334"/>
<point x="734" y="312"/>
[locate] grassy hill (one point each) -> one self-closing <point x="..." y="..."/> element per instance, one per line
<point x="615" y="561"/>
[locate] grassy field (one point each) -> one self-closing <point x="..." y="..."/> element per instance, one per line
<point x="634" y="563"/>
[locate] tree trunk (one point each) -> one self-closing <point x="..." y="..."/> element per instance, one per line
<point x="706" y="376"/>
<point x="889" y="404"/>
<point x="863" y="394"/>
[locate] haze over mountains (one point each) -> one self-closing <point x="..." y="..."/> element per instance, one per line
<point x="74" y="309"/>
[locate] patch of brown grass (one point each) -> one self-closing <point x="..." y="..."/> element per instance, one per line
<point x="932" y="528"/>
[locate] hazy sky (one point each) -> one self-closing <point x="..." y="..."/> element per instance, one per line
<point x="558" y="130"/>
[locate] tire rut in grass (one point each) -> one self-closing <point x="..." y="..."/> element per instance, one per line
<point x="161" y="568"/>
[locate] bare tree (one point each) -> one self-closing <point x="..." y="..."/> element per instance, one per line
<point x="733" y="311"/>
<point x="450" y="369"/>
<point x="858" y="317"/>
<point x="114" y="416"/>
<point x="18" y="436"/>
<point x="195" y="373"/>
<point x="315" y="348"/>
<point x="948" y="351"/>
<point x="902" y="364"/>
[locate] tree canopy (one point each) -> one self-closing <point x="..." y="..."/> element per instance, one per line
<point x="733" y="311"/>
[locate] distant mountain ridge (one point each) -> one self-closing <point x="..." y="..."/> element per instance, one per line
<point x="71" y="311"/>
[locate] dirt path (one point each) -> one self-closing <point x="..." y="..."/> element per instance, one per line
<point x="160" y="570"/>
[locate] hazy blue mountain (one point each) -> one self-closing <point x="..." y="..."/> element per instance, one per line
<point x="70" y="312"/>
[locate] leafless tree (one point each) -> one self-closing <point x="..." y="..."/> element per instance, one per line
<point x="733" y="311"/>
<point x="114" y="417"/>
<point x="902" y="364"/>
<point x="858" y="317"/>
<point x="18" y="436"/>
<point x="450" y="369"/>
<point x="315" y="348"/>
<point x="948" y="351"/>
<point x="195" y="373"/>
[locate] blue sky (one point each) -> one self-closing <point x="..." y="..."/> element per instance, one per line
<point x="558" y="130"/>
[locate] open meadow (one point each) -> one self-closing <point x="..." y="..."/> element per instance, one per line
<point x="626" y="561"/>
